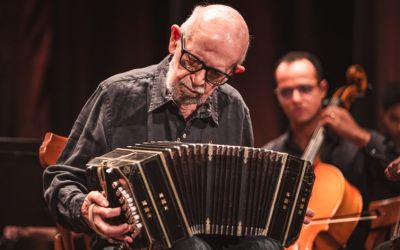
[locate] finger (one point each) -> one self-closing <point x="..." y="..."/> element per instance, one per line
<point x="123" y="182"/>
<point x="97" y="198"/>
<point x="100" y="213"/>
<point x="310" y="213"/>
<point x="329" y="110"/>
<point x="107" y="212"/>
<point x="111" y="230"/>
<point x="396" y="174"/>
<point x="396" y="161"/>
<point x="326" y="121"/>
<point x="306" y="220"/>
<point x="328" y="114"/>
<point x="125" y="238"/>
<point x="392" y="173"/>
<point x="388" y="175"/>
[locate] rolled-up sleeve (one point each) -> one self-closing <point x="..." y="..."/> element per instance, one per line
<point x="65" y="183"/>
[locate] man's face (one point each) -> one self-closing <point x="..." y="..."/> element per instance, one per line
<point x="298" y="91"/>
<point x="195" y="87"/>
<point x="391" y="120"/>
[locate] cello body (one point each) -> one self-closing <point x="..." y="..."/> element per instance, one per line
<point x="332" y="196"/>
<point x="338" y="233"/>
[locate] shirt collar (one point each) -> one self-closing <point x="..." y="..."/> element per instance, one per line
<point x="291" y="145"/>
<point x="160" y="95"/>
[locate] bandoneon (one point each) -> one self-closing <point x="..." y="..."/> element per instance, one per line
<point x="169" y="191"/>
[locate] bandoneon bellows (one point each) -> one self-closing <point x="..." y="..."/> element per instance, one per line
<point x="170" y="191"/>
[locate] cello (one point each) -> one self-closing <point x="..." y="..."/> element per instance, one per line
<point x="332" y="195"/>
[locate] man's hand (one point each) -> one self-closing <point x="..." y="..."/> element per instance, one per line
<point x="343" y="124"/>
<point x="95" y="210"/>
<point x="309" y="214"/>
<point x="392" y="171"/>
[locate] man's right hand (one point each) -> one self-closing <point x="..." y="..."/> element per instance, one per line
<point x="309" y="215"/>
<point x="95" y="210"/>
<point x="392" y="171"/>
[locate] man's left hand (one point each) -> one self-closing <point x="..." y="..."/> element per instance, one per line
<point x="343" y="124"/>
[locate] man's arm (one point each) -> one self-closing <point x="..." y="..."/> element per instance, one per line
<point x="65" y="186"/>
<point x="343" y="124"/>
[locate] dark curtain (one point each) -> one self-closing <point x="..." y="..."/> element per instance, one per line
<point x="53" y="54"/>
<point x="25" y="45"/>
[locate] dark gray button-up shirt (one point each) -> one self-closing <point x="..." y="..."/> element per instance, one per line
<point x="130" y="108"/>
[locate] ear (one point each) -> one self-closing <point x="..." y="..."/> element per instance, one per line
<point x="239" y="69"/>
<point x="174" y="38"/>
<point x="323" y="85"/>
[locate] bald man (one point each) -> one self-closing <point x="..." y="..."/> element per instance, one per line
<point x="183" y="98"/>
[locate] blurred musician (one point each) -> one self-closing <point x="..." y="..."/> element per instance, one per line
<point x="300" y="90"/>
<point x="390" y="101"/>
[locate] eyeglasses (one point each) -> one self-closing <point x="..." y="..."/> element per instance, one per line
<point x="193" y="64"/>
<point x="287" y="92"/>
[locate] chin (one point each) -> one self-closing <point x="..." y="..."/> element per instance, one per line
<point x="187" y="100"/>
<point x="300" y="120"/>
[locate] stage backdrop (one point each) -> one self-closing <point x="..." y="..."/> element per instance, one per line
<point x="53" y="54"/>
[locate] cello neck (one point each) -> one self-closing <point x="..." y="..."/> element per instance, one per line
<point x="317" y="138"/>
<point x="314" y="145"/>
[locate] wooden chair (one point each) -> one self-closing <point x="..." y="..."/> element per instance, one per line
<point x="51" y="148"/>
<point x="49" y="151"/>
<point x="383" y="227"/>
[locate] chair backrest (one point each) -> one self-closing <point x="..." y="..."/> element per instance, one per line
<point x="49" y="151"/>
<point x="51" y="148"/>
<point x="383" y="227"/>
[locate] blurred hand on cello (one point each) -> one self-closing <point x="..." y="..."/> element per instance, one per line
<point x="392" y="171"/>
<point x="309" y="215"/>
<point x="344" y="125"/>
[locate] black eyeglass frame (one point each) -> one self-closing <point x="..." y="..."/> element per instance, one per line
<point x="203" y="66"/>
<point x="304" y="88"/>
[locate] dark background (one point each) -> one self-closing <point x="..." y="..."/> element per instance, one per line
<point x="53" y="54"/>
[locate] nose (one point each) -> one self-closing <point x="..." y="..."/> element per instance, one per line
<point x="198" y="78"/>
<point x="296" y="96"/>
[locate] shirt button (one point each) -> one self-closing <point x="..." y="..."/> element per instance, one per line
<point x="373" y="151"/>
<point x="184" y="136"/>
